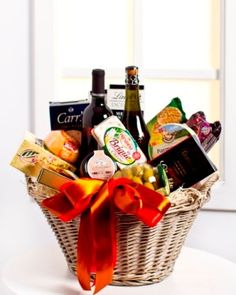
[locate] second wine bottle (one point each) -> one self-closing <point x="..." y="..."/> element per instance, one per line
<point x="132" y="116"/>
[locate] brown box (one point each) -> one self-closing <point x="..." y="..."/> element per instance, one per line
<point x="52" y="179"/>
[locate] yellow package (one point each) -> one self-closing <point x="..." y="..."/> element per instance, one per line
<point x="31" y="158"/>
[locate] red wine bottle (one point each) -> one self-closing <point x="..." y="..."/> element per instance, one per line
<point x="94" y="113"/>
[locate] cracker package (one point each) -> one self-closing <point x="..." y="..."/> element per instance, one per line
<point x="31" y="157"/>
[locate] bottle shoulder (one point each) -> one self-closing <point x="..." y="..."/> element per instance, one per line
<point x="136" y="125"/>
<point x="95" y="113"/>
<point x="134" y="118"/>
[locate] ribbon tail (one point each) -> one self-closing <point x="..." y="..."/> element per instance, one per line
<point x="103" y="224"/>
<point x="85" y="251"/>
<point x="97" y="243"/>
<point x="154" y="207"/>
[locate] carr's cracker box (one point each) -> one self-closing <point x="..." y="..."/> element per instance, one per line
<point x="116" y="99"/>
<point x="67" y="115"/>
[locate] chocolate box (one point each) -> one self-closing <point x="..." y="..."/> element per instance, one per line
<point x="185" y="163"/>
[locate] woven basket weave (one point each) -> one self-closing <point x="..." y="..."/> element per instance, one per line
<point x="144" y="255"/>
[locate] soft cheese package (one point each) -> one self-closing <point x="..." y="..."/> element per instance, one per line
<point x="118" y="143"/>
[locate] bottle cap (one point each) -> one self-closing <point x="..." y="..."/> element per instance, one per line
<point x="132" y="75"/>
<point x="98" y="81"/>
<point x="131" y="70"/>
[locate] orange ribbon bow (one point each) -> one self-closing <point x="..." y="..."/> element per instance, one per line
<point x="94" y="200"/>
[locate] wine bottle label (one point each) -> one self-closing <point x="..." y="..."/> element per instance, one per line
<point x="100" y="166"/>
<point x="121" y="146"/>
<point x="116" y="99"/>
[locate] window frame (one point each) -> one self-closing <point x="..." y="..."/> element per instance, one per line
<point x="42" y="84"/>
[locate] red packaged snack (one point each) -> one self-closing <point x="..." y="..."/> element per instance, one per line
<point x="213" y="137"/>
<point x="200" y="125"/>
<point x="208" y="133"/>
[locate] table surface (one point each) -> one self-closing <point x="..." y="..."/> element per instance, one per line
<point x="44" y="271"/>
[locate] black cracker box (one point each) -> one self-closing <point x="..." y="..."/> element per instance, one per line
<point x="67" y="115"/>
<point x="116" y="99"/>
<point x="186" y="163"/>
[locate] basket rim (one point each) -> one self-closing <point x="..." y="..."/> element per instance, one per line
<point x="183" y="199"/>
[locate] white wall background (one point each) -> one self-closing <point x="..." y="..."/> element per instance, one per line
<point x="22" y="226"/>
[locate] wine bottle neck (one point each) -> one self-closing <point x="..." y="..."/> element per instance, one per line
<point x="98" y="99"/>
<point x="132" y="99"/>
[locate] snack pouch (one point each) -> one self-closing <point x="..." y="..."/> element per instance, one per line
<point x="200" y="125"/>
<point x="172" y="113"/>
<point x="213" y="137"/>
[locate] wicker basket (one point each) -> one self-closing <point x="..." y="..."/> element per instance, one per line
<point x="144" y="255"/>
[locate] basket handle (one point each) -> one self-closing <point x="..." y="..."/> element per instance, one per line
<point x="194" y="197"/>
<point x="205" y="188"/>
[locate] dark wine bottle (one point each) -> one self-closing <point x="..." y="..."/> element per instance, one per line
<point x="132" y="116"/>
<point x="94" y="113"/>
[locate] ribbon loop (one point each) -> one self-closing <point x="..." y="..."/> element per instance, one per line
<point x="127" y="198"/>
<point x="75" y="198"/>
<point x="94" y="200"/>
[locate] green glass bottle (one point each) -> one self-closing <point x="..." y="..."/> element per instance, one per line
<point x="132" y="116"/>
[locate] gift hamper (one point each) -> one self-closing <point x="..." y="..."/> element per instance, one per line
<point x="144" y="255"/>
<point x="120" y="195"/>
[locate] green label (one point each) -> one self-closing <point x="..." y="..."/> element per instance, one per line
<point x="121" y="146"/>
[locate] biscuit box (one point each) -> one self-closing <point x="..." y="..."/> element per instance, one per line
<point x="67" y="115"/>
